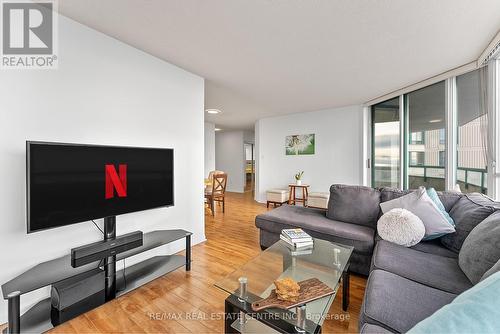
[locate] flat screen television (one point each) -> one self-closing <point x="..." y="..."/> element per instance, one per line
<point x="73" y="183"/>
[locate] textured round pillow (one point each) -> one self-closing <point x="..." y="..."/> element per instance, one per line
<point x="401" y="227"/>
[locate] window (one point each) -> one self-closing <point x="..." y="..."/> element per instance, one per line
<point x="417" y="137"/>
<point x="417" y="159"/>
<point x="472" y="133"/>
<point x="442" y="158"/>
<point x="386" y="144"/>
<point x="442" y="137"/>
<point x="410" y="143"/>
<point x="425" y="110"/>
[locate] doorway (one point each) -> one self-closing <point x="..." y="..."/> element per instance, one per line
<point x="249" y="167"/>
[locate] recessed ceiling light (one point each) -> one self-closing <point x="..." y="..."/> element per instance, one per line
<point x="435" y="120"/>
<point x="217" y="129"/>
<point x="213" y="111"/>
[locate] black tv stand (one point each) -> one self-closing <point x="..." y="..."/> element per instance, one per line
<point x="37" y="319"/>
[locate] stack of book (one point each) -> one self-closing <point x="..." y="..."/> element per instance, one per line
<point x="297" y="238"/>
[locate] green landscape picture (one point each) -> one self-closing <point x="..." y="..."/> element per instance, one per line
<point x="299" y="144"/>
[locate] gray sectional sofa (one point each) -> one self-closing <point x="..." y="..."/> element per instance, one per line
<point x="405" y="285"/>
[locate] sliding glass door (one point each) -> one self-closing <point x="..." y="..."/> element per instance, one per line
<point x="426" y="146"/>
<point x="386" y="144"/>
<point x="472" y="132"/>
<point x="410" y="143"/>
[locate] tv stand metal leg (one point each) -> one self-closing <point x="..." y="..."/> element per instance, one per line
<point x="188" y="252"/>
<point x="110" y="261"/>
<point x="14" y="310"/>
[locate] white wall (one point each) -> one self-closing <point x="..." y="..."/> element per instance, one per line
<point x="104" y="92"/>
<point x="338" y="152"/>
<point x="209" y="147"/>
<point x="230" y="158"/>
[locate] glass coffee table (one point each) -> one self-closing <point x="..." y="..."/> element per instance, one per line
<point x="327" y="261"/>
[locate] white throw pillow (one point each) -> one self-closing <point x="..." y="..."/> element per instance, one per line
<point x="401" y="227"/>
<point x="420" y="204"/>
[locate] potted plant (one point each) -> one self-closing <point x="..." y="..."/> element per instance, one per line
<point x="298" y="178"/>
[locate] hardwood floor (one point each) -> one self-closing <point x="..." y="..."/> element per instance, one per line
<point x="188" y="302"/>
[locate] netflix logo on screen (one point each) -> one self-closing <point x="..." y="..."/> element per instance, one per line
<point x="116" y="181"/>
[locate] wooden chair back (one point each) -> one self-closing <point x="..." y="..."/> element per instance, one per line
<point x="219" y="185"/>
<point x="214" y="172"/>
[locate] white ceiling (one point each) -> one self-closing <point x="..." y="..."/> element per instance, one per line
<point x="271" y="57"/>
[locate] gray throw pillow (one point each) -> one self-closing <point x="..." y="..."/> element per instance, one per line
<point x="449" y="199"/>
<point x="467" y="213"/>
<point x="354" y="204"/>
<point x="491" y="271"/>
<point x="387" y="194"/>
<point x="420" y="204"/>
<point x="481" y="248"/>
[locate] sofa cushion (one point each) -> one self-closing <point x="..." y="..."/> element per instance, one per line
<point x="434" y="247"/>
<point x="491" y="271"/>
<point x="449" y="199"/>
<point x="475" y="311"/>
<point x="314" y="220"/>
<point x="388" y="194"/>
<point x="467" y="213"/>
<point x="431" y="246"/>
<point x="481" y="249"/>
<point x="373" y="329"/>
<point x="397" y="303"/>
<point x="435" y="271"/>
<point x="420" y="204"/>
<point x="354" y="204"/>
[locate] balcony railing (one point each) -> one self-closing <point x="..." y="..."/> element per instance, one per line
<point x="432" y="176"/>
<point x="467" y="176"/>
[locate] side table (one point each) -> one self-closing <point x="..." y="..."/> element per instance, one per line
<point x="305" y="193"/>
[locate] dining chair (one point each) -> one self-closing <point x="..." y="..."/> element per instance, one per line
<point x="210" y="179"/>
<point x="217" y="192"/>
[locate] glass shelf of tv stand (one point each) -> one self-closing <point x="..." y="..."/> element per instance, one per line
<point x="49" y="272"/>
<point x="154" y="239"/>
<point x="37" y="318"/>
